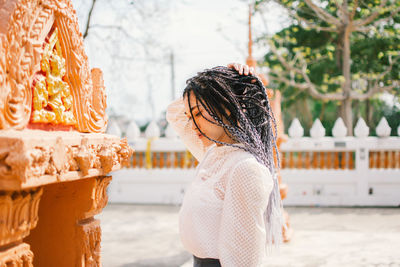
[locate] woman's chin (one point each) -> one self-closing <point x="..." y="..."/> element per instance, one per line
<point x="205" y="141"/>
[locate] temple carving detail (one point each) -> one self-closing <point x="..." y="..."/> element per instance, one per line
<point x="54" y="155"/>
<point x="40" y="41"/>
<point x="52" y="99"/>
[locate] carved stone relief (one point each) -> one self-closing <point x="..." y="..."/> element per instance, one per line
<point x="28" y="162"/>
<point x="19" y="214"/>
<point x="18" y="256"/>
<point x="23" y="31"/>
<point x="52" y="100"/>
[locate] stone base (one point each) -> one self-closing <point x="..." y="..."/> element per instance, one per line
<point x="17" y="256"/>
<point x="67" y="234"/>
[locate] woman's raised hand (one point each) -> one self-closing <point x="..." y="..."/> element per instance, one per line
<point x="242" y="69"/>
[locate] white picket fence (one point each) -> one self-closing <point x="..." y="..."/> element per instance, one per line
<point x="318" y="170"/>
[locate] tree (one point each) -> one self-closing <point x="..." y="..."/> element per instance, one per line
<point x="343" y="51"/>
<point x="126" y="38"/>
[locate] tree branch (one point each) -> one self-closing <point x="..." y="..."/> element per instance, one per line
<point x="86" y="32"/>
<point x="377" y="22"/>
<point x="374" y="90"/>
<point x="353" y="12"/>
<point x="377" y="88"/>
<point x="370" y="18"/>
<point x="322" y="14"/>
<point x="308" y="85"/>
<point x="116" y="27"/>
<point x="313" y="25"/>
<point x="392" y="14"/>
<point x="282" y="60"/>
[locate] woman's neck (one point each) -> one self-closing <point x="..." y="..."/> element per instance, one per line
<point x="228" y="140"/>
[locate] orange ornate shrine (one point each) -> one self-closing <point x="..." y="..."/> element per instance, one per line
<point x="54" y="155"/>
<point x="275" y="97"/>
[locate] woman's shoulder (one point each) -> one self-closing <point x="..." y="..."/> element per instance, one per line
<point x="247" y="167"/>
<point x="247" y="161"/>
<point x="227" y="155"/>
<point x="244" y="157"/>
<point x="235" y="156"/>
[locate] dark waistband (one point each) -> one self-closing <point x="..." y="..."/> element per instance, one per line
<point x="205" y="260"/>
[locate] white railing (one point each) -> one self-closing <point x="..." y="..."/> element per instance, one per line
<point x="318" y="170"/>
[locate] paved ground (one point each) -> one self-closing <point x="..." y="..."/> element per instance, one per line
<point x="147" y="235"/>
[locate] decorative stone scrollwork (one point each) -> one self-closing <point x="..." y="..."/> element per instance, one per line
<point x="19" y="213"/>
<point x="21" y="51"/>
<point x="52" y="99"/>
<point x="90" y="256"/>
<point x="18" y="256"/>
<point x="46" y="88"/>
<point x="99" y="197"/>
<point x="65" y="156"/>
<point x="89" y="228"/>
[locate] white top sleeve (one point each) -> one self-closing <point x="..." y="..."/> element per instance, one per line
<point x="183" y="127"/>
<point x="242" y="233"/>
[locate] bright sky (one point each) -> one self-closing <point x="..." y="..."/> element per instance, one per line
<point x="202" y="34"/>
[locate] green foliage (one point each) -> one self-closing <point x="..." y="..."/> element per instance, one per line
<point x="372" y="52"/>
<point x="391" y="113"/>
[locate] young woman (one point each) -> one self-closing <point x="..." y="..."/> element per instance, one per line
<point x="231" y="212"/>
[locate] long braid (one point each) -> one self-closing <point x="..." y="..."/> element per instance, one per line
<point x="250" y="122"/>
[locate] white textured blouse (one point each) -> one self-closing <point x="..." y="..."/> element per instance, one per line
<point x="221" y="215"/>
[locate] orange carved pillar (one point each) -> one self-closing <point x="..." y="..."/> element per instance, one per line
<point x="18" y="211"/>
<point x="67" y="230"/>
<point x="54" y="155"/>
<point x="49" y="193"/>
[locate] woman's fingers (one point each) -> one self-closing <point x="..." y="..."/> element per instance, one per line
<point x="246" y="70"/>
<point x="234" y="66"/>
<point x="251" y="71"/>
<point x="242" y="69"/>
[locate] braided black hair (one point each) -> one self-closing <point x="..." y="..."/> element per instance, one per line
<point x="250" y="121"/>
